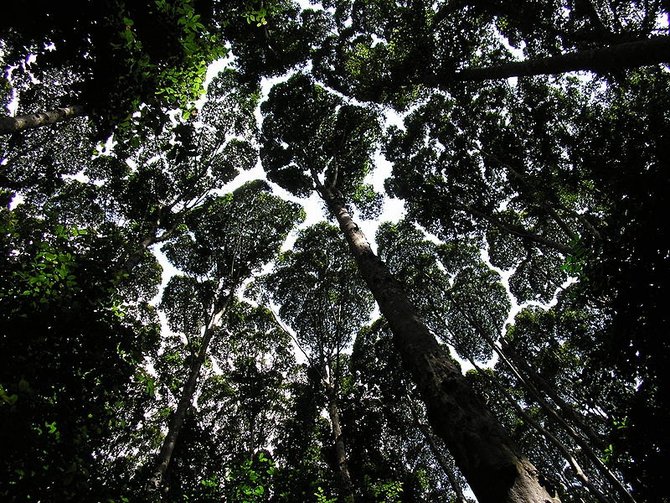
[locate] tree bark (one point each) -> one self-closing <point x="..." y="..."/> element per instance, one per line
<point x="10" y="125"/>
<point x="587" y="449"/>
<point x="185" y="401"/>
<point x="437" y="454"/>
<point x="346" y="486"/>
<point x="567" y="454"/>
<point x="484" y="453"/>
<point x="627" y="55"/>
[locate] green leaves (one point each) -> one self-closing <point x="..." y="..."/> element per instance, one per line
<point x="233" y="235"/>
<point x="6" y="398"/>
<point x="321" y="497"/>
<point x="148" y="381"/>
<point x="251" y="479"/>
<point x="388" y="492"/>
<point x="63" y="345"/>
<point x="552" y="177"/>
<point x="459" y="297"/>
<point x="181" y="85"/>
<point x="308" y="131"/>
<point x="319" y="292"/>
<point x="367" y="201"/>
<point x="257" y="16"/>
<point x="50" y="274"/>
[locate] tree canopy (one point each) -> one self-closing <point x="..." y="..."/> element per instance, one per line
<point x="190" y="309"/>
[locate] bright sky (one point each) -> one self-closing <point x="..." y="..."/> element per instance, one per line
<point x="393" y="209"/>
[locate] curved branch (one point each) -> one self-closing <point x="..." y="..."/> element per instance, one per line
<point x="9" y="125"/>
<point x="627" y="55"/>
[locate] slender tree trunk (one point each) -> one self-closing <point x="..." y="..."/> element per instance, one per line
<point x="346" y="486"/>
<point x="185" y="401"/>
<point x="482" y="450"/>
<point x="587" y="449"/>
<point x="437" y="454"/>
<point x="567" y="454"/>
<point x="513" y="361"/>
<point x="532" y="382"/>
<point x="10" y="125"/>
<point x="460" y="498"/>
<point x="615" y="57"/>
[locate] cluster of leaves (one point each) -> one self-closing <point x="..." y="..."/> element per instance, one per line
<point x="183" y="86"/>
<point x="58" y="412"/>
<point x="553" y="187"/>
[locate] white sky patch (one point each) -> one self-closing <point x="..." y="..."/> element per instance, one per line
<point x="662" y="22"/>
<point x="16" y="200"/>
<point x="393" y="118"/>
<point x="376" y="40"/>
<point x="306" y="4"/>
<point x="105" y="148"/>
<point x="168" y="271"/>
<point x="81" y="176"/>
<point x="393" y="209"/>
<point x="213" y="70"/>
<point x="13" y="105"/>
<point x="298" y="352"/>
<point x="517" y="52"/>
<point x="515" y="306"/>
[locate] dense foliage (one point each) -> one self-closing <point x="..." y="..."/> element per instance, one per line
<point x="179" y="323"/>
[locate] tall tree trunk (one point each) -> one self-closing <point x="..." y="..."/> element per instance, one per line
<point x="10" y="125"/>
<point x="185" y="401"/>
<point x="531" y="381"/>
<point x="587" y="449"/>
<point x="518" y="366"/>
<point x="567" y="454"/>
<point x="620" y="56"/>
<point x="346" y="486"/>
<point x="437" y="453"/>
<point x="485" y="454"/>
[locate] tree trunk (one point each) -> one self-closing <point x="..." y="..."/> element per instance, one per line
<point x="587" y="449"/>
<point x="437" y="454"/>
<point x="460" y="498"/>
<point x="346" y="486"/>
<point x="540" y="384"/>
<point x="616" y="57"/>
<point x="10" y="125"/>
<point x="567" y="454"/>
<point x="532" y="381"/>
<point x="482" y="450"/>
<point x="185" y="401"/>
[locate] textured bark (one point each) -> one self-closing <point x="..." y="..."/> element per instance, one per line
<point x="615" y="57"/>
<point x="10" y="125"/>
<point x="346" y="486"/>
<point x="587" y="449"/>
<point x="185" y="401"/>
<point x="484" y="453"/>
<point x="437" y="454"/>
<point x="563" y="449"/>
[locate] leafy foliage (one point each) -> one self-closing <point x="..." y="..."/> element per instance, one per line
<point x="538" y="197"/>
